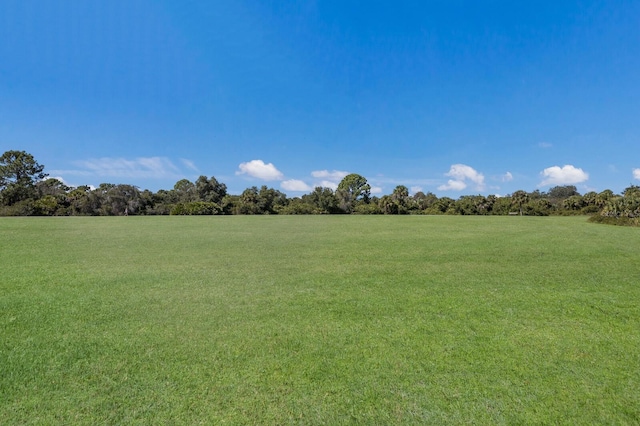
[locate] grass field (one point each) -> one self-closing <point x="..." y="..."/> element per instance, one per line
<point x="319" y="320"/>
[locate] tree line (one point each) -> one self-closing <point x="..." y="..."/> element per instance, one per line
<point x="26" y="191"/>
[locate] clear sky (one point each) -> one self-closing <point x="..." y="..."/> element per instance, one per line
<point x="452" y="97"/>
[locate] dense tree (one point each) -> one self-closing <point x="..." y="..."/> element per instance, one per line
<point x="519" y="199"/>
<point x="559" y="193"/>
<point x="271" y="200"/>
<point x="299" y="206"/>
<point x="52" y="198"/>
<point x="185" y="191"/>
<point x="501" y="206"/>
<point x="210" y="190"/>
<point x="52" y="186"/>
<point x="81" y="201"/>
<point x="196" y="208"/>
<point x="388" y="205"/>
<point x="117" y="200"/>
<point x="353" y="189"/>
<point x="473" y="205"/>
<point x="631" y="192"/>
<point x="368" y="208"/>
<point x="589" y="201"/>
<point x="400" y="196"/>
<point x="229" y="204"/>
<point x="322" y="199"/>
<point x="442" y="205"/>
<point x="249" y="202"/>
<point x="574" y="203"/>
<point x="263" y="201"/>
<point x="19" y="173"/>
<point x="603" y="197"/>
<point x="422" y="201"/>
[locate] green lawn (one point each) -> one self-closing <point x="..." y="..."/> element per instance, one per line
<point x="319" y="320"/>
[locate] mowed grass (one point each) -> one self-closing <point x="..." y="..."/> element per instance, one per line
<point x="319" y="320"/>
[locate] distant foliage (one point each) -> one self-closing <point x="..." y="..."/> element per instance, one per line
<point x="621" y="210"/>
<point x="196" y="208"/>
<point x="25" y="191"/>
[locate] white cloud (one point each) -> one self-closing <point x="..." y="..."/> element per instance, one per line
<point x="565" y="175"/>
<point x="295" y="185"/>
<point x="636" y="174"/>
<point x="415" y="189"/>
<point x="453" y="185"/>
<point x="142" y="167"/>
<point x="460" y="174"/>
<point x="507" y="177"/>
<point x="376" y="190"/>
<point x="332" y="176"/>
<point x="329" y="179"/>
<point x="328" y="184"/>
<point x="260" y="170"/>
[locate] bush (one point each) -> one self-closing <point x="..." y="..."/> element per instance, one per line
<point x="370" y="208"/>
<point x="196" y="208"/>
<point x="21" y="208"/>
<point x="298" y="208"/>
<point x="620" y="221"/>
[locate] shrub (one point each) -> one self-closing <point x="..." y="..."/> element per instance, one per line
<point x="196" y="208"/>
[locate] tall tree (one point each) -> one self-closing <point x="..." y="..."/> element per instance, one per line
<point x="519" y="199"/>
<point x="249" y="202"/>
<point x="185" y="191"/>
<point x="400" y="196"/>
<point x="353" y="189"/>
<point x="322" y="198"/>
<point x="558" y="194"/>
<point x="118" y="200"/>
<point x="270" y="200"/>
<point x="19" y="173"/>
<point x="210" y="190"/>
<point x="423" y="201"/>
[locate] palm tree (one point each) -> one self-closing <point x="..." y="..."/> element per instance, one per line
<point x="519" y="198"/>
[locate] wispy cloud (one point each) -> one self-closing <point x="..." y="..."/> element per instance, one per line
<point x="415" y="189"/>
<point x="260" y="170"/>
<point x="545" y="145"/>
<point x="138" y="168"/>
<point x="190" y="165"/>
<point x="636" y="174"/>
<point x="565" y="175"/>
<point x="460" y="174"/>
<point x="507" y="177"/>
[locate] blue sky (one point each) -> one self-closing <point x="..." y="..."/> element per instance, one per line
<point x="452" y="97"/>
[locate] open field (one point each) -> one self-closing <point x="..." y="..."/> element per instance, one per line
<point x="319" y="320"/>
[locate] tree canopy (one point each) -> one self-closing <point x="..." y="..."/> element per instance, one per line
<point x="352" y="190"/>
<point x="19" y="172"/>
